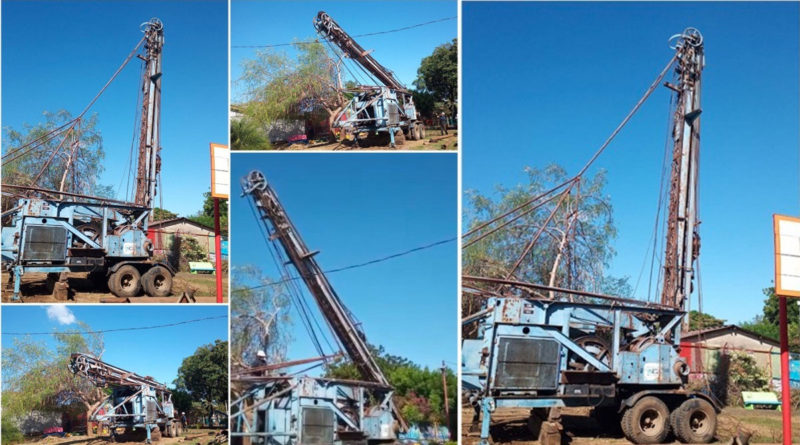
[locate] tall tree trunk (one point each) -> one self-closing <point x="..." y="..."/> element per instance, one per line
<point x="561" y="245"/>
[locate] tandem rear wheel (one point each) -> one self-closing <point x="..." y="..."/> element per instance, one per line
<point x="649" y="421"/>
<point x="127" y="281"/>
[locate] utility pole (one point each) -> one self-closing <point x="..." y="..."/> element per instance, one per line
<point x="446" y="403"/>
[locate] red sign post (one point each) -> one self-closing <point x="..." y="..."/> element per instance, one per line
<point x="787" y="285"/>
<point x="220" y="189"/>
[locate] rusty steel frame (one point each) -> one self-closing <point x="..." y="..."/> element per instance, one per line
<point x="149" y="161"/>
<point x="331" y="31"/>
<point x="683" y="239"/>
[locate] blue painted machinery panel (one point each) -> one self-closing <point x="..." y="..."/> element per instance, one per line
<point x="374" y="110"/>
<point x="308" y="410"/>
<point x="538" y="353"/>
<point x="50" y="236"/>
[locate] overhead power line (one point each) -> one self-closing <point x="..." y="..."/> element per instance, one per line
<point x="355" y="266"/>
<point x="308" y="42"/>
<point x="103" y="331"/>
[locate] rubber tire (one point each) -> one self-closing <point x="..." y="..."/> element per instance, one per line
<point x="116" y="281"/>
<point x="680" y="419"/>
<point x="631" y="425"/>
<point x="178" y="429"/>
<point x="420" y="131"/>
<point x="111" y="286"/>
<point x="412" y="133"/>
<point x="149" y="285"/>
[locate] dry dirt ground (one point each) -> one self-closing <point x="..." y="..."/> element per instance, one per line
<point x="191" y="436"/>
<point x="509" y="426"/>
<point x="433" y="142"/>
<point x="34" y="289"/>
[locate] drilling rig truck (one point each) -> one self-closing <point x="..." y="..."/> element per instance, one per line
<point x="387" y="108"/>
<point x="582" y="349"/>
<point x="135" y="402"/>
<point x="56" y="232"/>
<point x="285" y="410"/>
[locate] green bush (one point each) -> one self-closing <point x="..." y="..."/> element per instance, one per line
<point x="11" y="433"/>
<point x="190" y="250"/>
<point x="737" y="372"/>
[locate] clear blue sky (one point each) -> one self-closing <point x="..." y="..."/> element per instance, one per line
<point x="558" y="77"/>
<point x="275" y="22"/>
<point x="154" y="352"/>
<point x="57" y="55"/>
<point x="355" y="208"/>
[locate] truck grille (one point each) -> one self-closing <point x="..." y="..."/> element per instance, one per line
<point x="527" y="363"/>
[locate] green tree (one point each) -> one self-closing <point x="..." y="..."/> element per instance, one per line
<point x="772" y="308"/>
<point x="737" y="372"/>
<point x="278" y="86"/>
<point x="700" y="320"/>
<point x="36" y="376"/>
<point x="438" y="75"/>
<point x="425" y="103"/>
<point x="160" y="214"/>
<point x="206" y="215"/>
<point x="204" y="375"/>
<point x="767" y="323"/>
<point x="247" y="135"/>
<point x="191" y="249"/>
<point x="82" y="150"/>
<point x="260" y="318"/>
<point x="182" y="400"/>
<point x="572" y="252"/>
<point x="419" y="391"/>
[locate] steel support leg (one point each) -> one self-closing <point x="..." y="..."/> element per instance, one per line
<point x="486" y="420"/>
<point x="391" y="137"/>
<point x="17" y="282"/>
<point x="147" y="428"/>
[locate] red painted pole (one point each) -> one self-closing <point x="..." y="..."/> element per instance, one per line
<point x="218" y="250"/>
<point x="786" y="395"/>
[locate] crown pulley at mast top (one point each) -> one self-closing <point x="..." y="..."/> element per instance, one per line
<point x="690" y="36"/>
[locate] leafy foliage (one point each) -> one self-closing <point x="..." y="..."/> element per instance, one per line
<point x="438" y="76"/>
<point x="204" y="375"/>
<point x="419" y="390"/>
<point x="36" y="376"/>
<point x="282" y="87"/>
<point x="191" y="249"/>
<point x="699" y="321"/>
<point x="160" y="214"/>
<point x="184" y="403"/>
<point x="572" y="252"/>
<point x="206" y="215"/>
<point x="247" y="135"/>
<point x="260" y="318"/>
<point x="11" y="433"/>
<point x="737" y="372"/>
<point x="82" y="151"/>
<point x="767" y="323"/>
